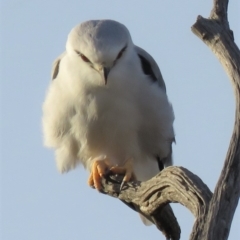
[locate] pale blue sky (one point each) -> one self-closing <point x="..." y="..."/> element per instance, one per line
<point x="37" y="203"/>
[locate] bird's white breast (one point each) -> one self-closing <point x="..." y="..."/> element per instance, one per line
<point x="129" y="117"/>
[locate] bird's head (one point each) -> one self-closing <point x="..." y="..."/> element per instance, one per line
<point x="100" y="45"/>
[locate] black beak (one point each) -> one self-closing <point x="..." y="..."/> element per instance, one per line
<point x="105" y="74"/>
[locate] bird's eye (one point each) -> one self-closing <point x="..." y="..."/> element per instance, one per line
<point x="121" y="52"/>
<point x="83" y="57"/>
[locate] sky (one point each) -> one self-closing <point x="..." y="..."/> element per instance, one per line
<point x="37" y="202"/>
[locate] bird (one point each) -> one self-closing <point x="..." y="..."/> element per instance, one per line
<point x="106" y="107"/>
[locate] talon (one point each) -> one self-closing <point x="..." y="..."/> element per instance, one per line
<point x="126" y="169"/>
<point x="122" y="185"/>
<point x="100" y="167"/>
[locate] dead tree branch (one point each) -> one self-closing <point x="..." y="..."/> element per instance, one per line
<point x="216" y="34"/>
<point x="173" y="184"/>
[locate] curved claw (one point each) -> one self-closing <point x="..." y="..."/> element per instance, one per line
<point x="101" y="167"/>
<point x="126" y="169"/>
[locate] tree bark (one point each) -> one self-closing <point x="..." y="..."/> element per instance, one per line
<point x="216" y="34"/>
<point x="213" y="212"/>
<point x="151" y="198"/>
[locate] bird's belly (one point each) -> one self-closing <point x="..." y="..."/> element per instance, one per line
<point x="113" y="131"/>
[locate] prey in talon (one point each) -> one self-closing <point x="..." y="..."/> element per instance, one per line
<point x="107" y="98"/>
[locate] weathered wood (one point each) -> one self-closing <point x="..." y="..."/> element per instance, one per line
<point x="216" y="34"/>
<point x="173" y="184"/>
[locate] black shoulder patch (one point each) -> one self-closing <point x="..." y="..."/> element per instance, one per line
<point x="146" y="67"/>
<point x="56" y="70"/>
<point x="160" y="164"/>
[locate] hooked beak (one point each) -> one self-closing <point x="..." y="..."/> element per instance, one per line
<point x="104" y="73"/>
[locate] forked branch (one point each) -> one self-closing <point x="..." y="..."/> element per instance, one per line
<point x="216" y="34"/>
<point x="150" y="198"/>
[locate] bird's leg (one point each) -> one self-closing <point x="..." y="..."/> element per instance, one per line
<point x="100" y="167"/>
<point x="126" y="169"/>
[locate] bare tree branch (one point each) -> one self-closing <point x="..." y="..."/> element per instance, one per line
<point x="219" y="10"/>
<point x="173" y="184"/>
<point x="216" y="34"/>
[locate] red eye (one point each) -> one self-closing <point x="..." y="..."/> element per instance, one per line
<point x="84" y="58"/>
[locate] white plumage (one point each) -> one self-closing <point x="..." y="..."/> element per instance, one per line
<point x="107" y="100"/>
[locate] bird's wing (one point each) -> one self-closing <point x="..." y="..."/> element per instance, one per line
<point x="150" y="67"/>
<point x="56" y="66"/>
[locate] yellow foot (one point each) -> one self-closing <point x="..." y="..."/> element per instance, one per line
<point x="126" y="169"/>
<point x="101" y="167"/>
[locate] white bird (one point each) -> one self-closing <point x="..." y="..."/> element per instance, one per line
<point x="106" y="107"/>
